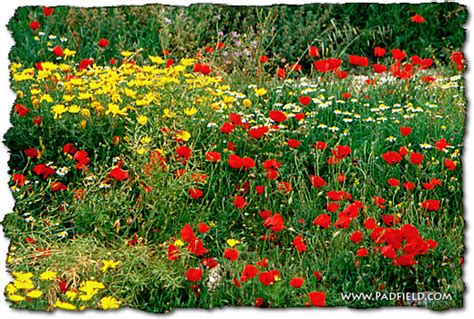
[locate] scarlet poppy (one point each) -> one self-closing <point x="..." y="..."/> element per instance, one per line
<point x="356" y="237"/>
<point x="47" y="11"/>
<point x="275" y="223"/>
<point x="391" y="157"/>
<point x="320" y="145"/>
<point x="173" y="253"/>
<point x="58" y="186"/>
<point x="313" y="51"/>
<point x="449" y="164"/>
<point x="213" y="157"/>
<point x="441" y="144"/>
<point x="231" y="254"/>
<point x="370" y="223"/>
<point x="260" y="189"/>
<point x="58" y="51"/>
<point x="416" y="158"/>
<point x="317" y="298"/>
<point x="21" y="110"/>
<point x="281" y="73"/>
<point x="379" y="68"/>
<point x="296" y="282"/>
<point x="398" y="54"/>
<point x="194" y="274"/>
<point x="317" y="181"/>
<point x="103" y="43"/>
<point x="417" y="18"/>
<point x="195" y="193"/>
<point x="322" y="220"/>
<point x="258" y="132"/>
<point x="227" y="128"/>
<point x="196" y="247"/>
<point x="209" y="263"/>
<point x="379" y="52"/>
<point x="358" y="60"/>
<point x="341" y="151"/>
<point x="330" y="64"/>
<point x="293" y="143"/>
<point x="430" y="204"/>
<point x="408" y="186"/>
<point x="305" y="100"/>
<point x="43" y="170"/>
<point x="266" y="278"/>
<point x="258" y="302"/>
<point x="239" y="202"/>
<point x="118" y="174"/>
<point x="263" y="58"/>
<point x="393" y="182"/>
<point x="277" y="116"/>
<point x="34" y="25"/>
<point x="405" y="131"/>
<point x="458" y="59"/>
<point x="249" y="272"/>
<point x="332" y="207"/>
<point x="203" y="228"/>
<point x="299" y="244"/>
<point x="19" y="179"/>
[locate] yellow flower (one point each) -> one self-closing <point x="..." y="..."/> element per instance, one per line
<point x="74" y="109"/>
<point x="183" y="135"/>
<point x="23" y="284"/>
<point x="10" y="289"/>
<point x="260" y="92"/>
<point x="22" y="275"/>
<point x="142" y="119"/>
<point x="168" y="113"/>
<point x="86" y="112"/>
<point x="109" y="264"/>
<point x="126" y="54"/>
<point x="58" y="110"/>
<point x="34" y="294"/>
<point x="115" y="109"/>
<point x="232" y="242"/>
<point x="157" y="59"/>
<point x="64" y="305"/>
<point x="48" y="275"/>
<point x="68" y="53"/>
<point x="179" y="243"/>
<point x="247" y="103"/>
<point x="71" y="295"/>
<point x="47" y="98"/>
<point x="186" y="62"/>
<point x="16" y="298"/>
<point x="190" y="111"/>
<point x="109" y="303"/>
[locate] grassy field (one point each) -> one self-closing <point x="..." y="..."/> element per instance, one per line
<point x="154" y="169"/>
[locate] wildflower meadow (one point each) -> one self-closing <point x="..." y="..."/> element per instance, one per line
<point x="196" y="157"/>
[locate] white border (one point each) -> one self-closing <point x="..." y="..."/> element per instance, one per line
<point x="7" y="9"/>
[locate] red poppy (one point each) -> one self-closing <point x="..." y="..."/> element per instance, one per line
<point x="299" y="244"/>
<point x="187" y="233"/>
<point x="249" y="272"/>
<point x="408" y="186"/>
<point x="379" y="52"/>
<point x="21" y="110"/>
<point x="358" y="60"/>
<point x="317" y="298"/>
<point x="258" y="132"/>
<point x="209" y="263"/>
<point x="338" y="195"/>
<point x="103" y="43"/>
<point x="458" y="59"/>
<point x="34" y="25"/>
<point x="404" y="261"/>
<point x="317" y="181"/>
<point x="327" y="65"/>
<point x="277" y="116"/>
<point x="428" y="79"/>
<point x="43" y="170"/>
<point x="417" y="19"/>
<point x="266" y="278"/>
<point x="195" y="193"/>
<point x="196" y="247"/>
<point x="305" y="100"/>
<point x="239" y="202"/>
<point x="319" y="145"/>
<point x="258" y="302"/>
<point x="275" y="223"/>
<point x="391" y="157"/>
<point x="362" y="252"/>
<point x="379" y="68"/>
<point x="356" y="237"/>
<point x="194" y="274"/>
<point x="341" y="178"/>
<point x="323" y="221"/>
<point x="37" y="120"/>
<point x="169" y="63"/>
<point x="231" y="254"/>
<point x="341" y="151"/>
<point x="398" y="54"/>
<point x="58" y="186"/>
<point x="263" y="263"/>
<point x="260" y="189"/>
<point x="263" y="58"/>
<point x="430" y="204"/>
<point x="341" y="75"/>
<point x="19" y="179"/>
<point x="393" y="182"/>
<point x="227" y="128"/>
<point x="332" y="207"/>
<point x="449" y="164"/>
<point x="47" y="11"/>
<point x="213" y="157"/>
<point x="173" y="253"/>
<point x="293" y="143"/>
<point x="203" y="228"/>
<point x="313" y="51"/>
<point x="403" y="151"/>
<point x="441" y="144"/>
<point x="296" y="282"/>
<point x="31" y="152"/>
<point x="58" y="51"/>
<point x="416" y="158"/>
<point x="118" y="174"/>
<point x="405" y="131"/>
<point x="281" y="73"/>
